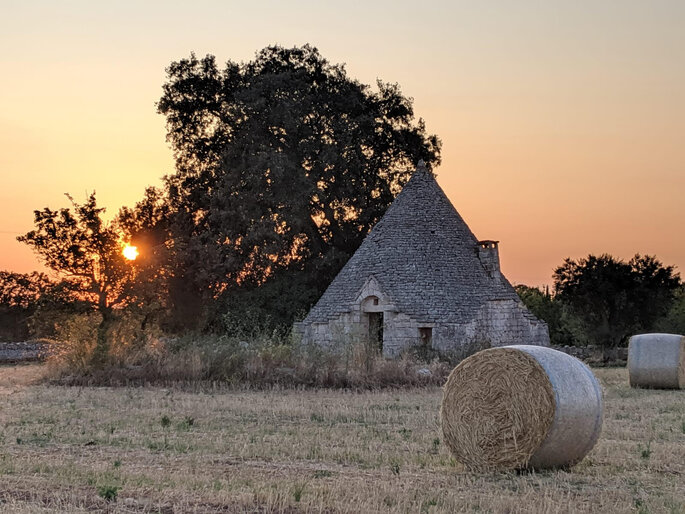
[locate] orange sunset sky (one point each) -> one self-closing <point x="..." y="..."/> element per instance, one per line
<point x="563" y="123"/>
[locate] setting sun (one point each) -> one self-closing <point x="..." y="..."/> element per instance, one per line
<point x="130" y="252"/>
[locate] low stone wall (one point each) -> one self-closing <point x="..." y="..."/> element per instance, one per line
<point x="597" y="355"/>
<point x="22" y="352"/>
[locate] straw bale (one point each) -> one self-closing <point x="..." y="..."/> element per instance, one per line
<point x="657" y="361"/>
<point x="521" y="406"/>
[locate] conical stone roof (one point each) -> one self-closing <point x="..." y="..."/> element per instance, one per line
<point x="423" y="256"/>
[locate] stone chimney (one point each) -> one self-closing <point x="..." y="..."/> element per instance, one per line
<point x="488" y="253"/>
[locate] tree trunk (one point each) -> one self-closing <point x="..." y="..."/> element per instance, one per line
<point x="101" y="352"/>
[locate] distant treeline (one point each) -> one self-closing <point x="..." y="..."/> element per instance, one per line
<point x="602" y="300"/>
<point x="597" y="300"/>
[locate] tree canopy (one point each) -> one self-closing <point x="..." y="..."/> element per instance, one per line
<point x="86" y="252"/>
<point x="83" y="249"/>
<point x="283" y="165"/>
<point x="147" y="227"/>
<point x="614" y="298"/>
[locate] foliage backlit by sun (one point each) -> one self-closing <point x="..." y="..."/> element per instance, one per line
<point x="130" y="252"/>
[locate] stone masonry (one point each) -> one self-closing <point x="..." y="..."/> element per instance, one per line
<point x="422" y="278"/>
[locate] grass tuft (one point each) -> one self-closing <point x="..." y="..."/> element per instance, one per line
<point x="108" y="492"/>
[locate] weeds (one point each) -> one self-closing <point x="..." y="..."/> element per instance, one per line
<point x="187" y="423"/>
<point x="263" y="362"/>
<point x="427" y="504"/>
<point x="298" y="489"/>
<point x="166" y="423"/>
<point x="108" y="492"/>
<point x="405" y="433"/>
<point x="640" y="506"/>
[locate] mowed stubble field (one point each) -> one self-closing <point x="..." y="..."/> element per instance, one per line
<point x="217" y="450"/>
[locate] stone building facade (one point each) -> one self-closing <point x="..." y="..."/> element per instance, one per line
<point x="421" y="278"/>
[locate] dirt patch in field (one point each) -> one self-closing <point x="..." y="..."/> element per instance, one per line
<point x="17" y="376"/>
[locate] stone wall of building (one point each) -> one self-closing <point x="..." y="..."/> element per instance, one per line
<point x="504" y="322"/>
<point x="499" y="323"/>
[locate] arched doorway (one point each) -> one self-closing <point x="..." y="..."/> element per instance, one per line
<point x="372" y="312"/>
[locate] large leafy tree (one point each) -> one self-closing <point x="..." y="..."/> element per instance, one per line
<point x="147" y="227"/>
<point x="283" y="164"/>
<point x="86" y="252"/>
<point x="615" y="298"/>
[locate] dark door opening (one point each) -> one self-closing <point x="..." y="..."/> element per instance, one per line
<point x="376" y="329"/>
<point x="426" y="336"/>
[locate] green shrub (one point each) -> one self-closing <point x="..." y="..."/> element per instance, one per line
<point x="76" y="336"/>
<point x="108" y="492"/>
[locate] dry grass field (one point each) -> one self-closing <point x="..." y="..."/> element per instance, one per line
<point x="172" y="450"/>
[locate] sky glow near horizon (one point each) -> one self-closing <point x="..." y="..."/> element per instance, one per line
<point x="563" y="125"/>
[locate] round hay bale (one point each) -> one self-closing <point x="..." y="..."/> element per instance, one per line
<point x="657" y="361"/>
<point x="522" y="406"/>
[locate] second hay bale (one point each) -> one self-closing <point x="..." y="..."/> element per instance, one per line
<point x="657" y="361"/>
<point x="521" y="406"/>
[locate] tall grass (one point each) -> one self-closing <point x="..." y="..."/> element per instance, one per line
<point x="255" y="360"/>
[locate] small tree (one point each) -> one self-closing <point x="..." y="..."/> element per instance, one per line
<point x="87" y="252"/>
<point x="19" y="297"/>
